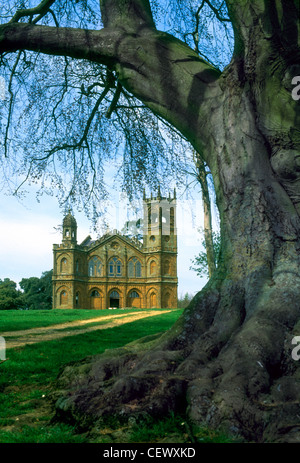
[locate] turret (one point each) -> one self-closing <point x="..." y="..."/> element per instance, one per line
<point x="69" y="229"/>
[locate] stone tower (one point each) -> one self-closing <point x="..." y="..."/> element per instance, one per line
<point x="160" y="243"/>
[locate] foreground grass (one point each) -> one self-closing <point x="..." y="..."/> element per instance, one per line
<point x="27" y="375"/>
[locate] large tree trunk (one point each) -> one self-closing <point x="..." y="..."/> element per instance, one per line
<point x="227" y="361"/>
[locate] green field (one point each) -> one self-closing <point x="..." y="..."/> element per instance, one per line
<point x="26" y="377"/>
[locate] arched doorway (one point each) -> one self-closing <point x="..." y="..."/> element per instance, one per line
<point x="114" y="299"/>
<point x="134" y="299"/>
<point x="153" y="300"/>
<point x="95" y="300"/>
<point x="63" y="299"/>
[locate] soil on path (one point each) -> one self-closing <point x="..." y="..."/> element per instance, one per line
<point x="49" y="333"/>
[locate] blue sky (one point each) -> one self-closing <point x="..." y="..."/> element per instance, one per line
<point x="27" y="233"/>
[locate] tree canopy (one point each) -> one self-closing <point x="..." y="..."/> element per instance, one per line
<point x="68" y="116"/>
<point x="37" y="292"/>
<point x="10" y="297"/>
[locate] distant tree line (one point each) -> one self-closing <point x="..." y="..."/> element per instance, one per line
<point x="35" y="293"/>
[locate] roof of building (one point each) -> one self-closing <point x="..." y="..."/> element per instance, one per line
<point x="69" y="220"/>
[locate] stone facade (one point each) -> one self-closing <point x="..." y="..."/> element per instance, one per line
<point x="118" y="271"/>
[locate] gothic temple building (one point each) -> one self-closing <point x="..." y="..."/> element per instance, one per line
<point x="116" y="271"/>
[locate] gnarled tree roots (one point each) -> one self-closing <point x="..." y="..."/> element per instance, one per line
<point x="225" y="363"/>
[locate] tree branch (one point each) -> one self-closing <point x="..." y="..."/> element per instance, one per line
<point x="128" y="14"/>
<point x="79" y="143"/>
<point x="97" y="46"/>
<point x="41" y="10"/>
<point x="114" y="101"/>
<point x="10" y="109"/>
<point x="217" y="12"/>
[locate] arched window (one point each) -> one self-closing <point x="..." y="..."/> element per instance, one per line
<point x="95" y="267"/>
<point x="63" y="265"/>
<point x="152" y="267"/>
<point x="77" y="299"/>
<point x="115" y="295"/>
<point x="153" y="300"/>
<point x="114" y="267"/>
<point x="134" y="268"/>
<point x="63" y="297"/>
<point x="95" y="293"/>
<point x="134" y="294"/>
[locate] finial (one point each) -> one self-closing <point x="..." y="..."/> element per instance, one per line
<point x="174" y="193"/>
<point x="158" y="193"/>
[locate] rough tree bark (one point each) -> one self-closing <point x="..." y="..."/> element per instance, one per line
<point x="227" y="361"/>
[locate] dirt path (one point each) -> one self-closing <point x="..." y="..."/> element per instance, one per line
<point x="48" y="333"/>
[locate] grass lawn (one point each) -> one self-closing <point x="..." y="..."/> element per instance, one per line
<point x="28" y="373"/>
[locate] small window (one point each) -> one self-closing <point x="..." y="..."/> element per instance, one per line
<point x="63" y="265"/>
